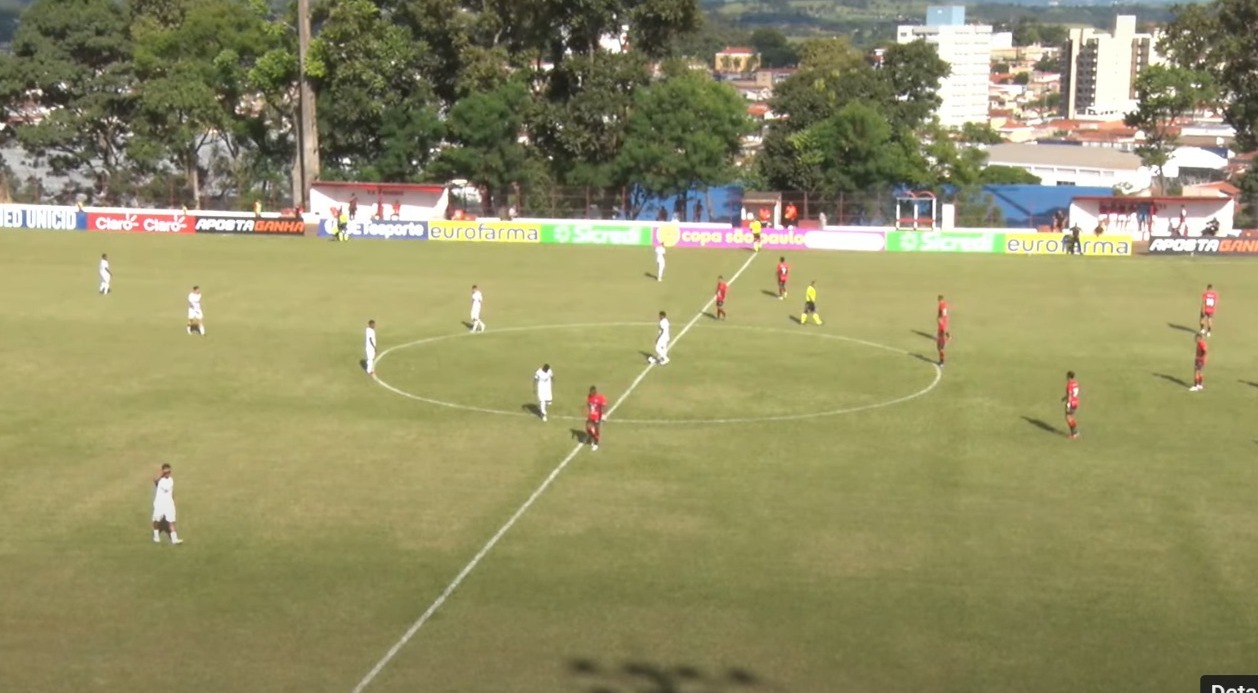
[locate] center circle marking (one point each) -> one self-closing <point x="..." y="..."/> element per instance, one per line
<point x="938" y="375"/>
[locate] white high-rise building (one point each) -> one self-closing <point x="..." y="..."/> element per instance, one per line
<point x="967" y="48"/>
<point x="1099" y="69"/>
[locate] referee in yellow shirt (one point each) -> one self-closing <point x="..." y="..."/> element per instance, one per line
<point x="810" y="304"/>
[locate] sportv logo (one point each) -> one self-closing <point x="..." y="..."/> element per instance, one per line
<point x="1039" y="244"/>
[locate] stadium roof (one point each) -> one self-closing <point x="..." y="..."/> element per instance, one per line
<point x="1064" y="156"/>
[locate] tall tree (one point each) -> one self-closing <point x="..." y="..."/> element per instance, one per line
<point x="193" y="60"/>
<point x="1165" y="95"/>
<point x="774" y="48"/>
<point x="584" y="111"/>
<point x="484" y="131"/>
<point x="73" y="58"/>
<point x="797" y="150"/>
<point x="378" y="116"/>
<point x="685" y="132"/>
<point x="1217" y="38"/>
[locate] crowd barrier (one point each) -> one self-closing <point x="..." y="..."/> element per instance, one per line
<point x="597" y="232"/>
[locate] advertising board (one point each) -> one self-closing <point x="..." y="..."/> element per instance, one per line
<point x="1204" y="246"/>
<point x="249" y="225"/>
<point x="406" y="230"/>
<point x="476" y="231"/>
<point x="596" y="233"/>
<point x="945" y="242"/>
<point x="1054" y="244"/>
<point x="140" y="222"/>
<point x="721" y="236"/>
<point x="42" y="218"/>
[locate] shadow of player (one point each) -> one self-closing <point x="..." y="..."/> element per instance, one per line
<point x="925" y="335"/>
<point x="532" y="409"/>
<point x="1043" y="426"/>
<point x="1171" y="379"/>
<point x="1181" y="328"/>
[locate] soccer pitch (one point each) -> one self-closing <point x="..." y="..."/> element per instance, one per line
<point x="781" y="508"/>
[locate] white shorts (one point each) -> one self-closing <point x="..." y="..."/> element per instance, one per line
<point x="476" y="313"/>
<point x="194" y="314"/>
<point x="661" y="345"/>
<point x="164" y="512"/>
<point x="371" y="355"/>
<point x="105" y="276"/>
<point x="544" y="396"/>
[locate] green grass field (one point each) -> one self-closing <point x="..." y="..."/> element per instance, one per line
<point x="945" y="543"/>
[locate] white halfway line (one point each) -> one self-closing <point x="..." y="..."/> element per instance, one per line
<point x="515" y="517"/>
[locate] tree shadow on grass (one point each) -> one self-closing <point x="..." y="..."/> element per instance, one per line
<point x="1043" y="426"/>
<point x="1171" y="379"/>
<point x="1181" y="328"/>
<point x="641" y="677"/>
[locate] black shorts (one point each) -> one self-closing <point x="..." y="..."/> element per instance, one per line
<point x="810" y="307"/>
<point x="755" y="237"/>
<point x="720" y="303"/>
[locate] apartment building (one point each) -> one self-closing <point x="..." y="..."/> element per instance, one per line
<point x="1099" y="69"/>
<point x="967" y="48"/>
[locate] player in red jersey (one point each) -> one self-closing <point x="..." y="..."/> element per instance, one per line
<point x="942" y="335"/>
<point x="783" y="274"/>
<point x="595" y="403"/>
<point x="722" y="290"/>
<point x="1209" y="300"/>
<point x="1199" y="365"/>
<point x="1072" y="403"/>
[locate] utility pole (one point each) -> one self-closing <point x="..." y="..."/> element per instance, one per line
<point x="306" y="170"/>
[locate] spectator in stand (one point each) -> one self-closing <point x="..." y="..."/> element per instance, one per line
<point x="397" y="210"/>
<point x="1059" y="221"/>
<point x="353" y="206"/>
<point x="766" y="217"/>
<point x="698" y="212"/>
<point x="662" y="216"/>
<point x="257" y="208"/>
<point x="379" y="210"/>
<point x="791" y="216"/>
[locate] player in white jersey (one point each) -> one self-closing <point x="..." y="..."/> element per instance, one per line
<point x="476" y="324"/>
<point x="369" y="348"/>
<point x="544" y="378"/>
<point x="661" y="342"/>
<point x="106" y="275"/>
<point x="196" y="319"/>
<point x="164" y="506"/>
<point x="659" y="263"/>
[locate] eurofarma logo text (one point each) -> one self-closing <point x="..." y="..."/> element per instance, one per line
<point x="484" y="232"/>
<point x="1052" y="244"/>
